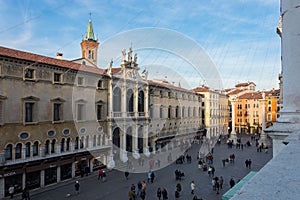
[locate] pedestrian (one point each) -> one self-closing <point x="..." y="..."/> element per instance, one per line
<point x="77" y="187"/>
<point x="217" y="186"/>
<point x="152" y="177"/>
<point x="133" y="190"/>
<point x="249" y="163"/>
<point x="231" y="183"/>
<point x="131" y="195"/>
<point x="126" y="175"/>
<point x="103" y="176"/>
<point x="149" y="175"/>
<point x="143" y="195"/>
<point x="177" y="195"/>
<point x="192" y="187"/>
<point x="100" y="174"/>
<point x="164" y="194"/>
<point x="144" y="186"/>
<point x="25" y="194"/>
<point x="140" y="187"/>
<point x="158" y="193"/>
<point x="221" y="182"/>
<point x="11" y="191"/>
<point x="178" y="187"/>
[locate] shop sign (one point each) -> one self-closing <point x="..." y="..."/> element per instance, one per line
<point x="8" y="174"/>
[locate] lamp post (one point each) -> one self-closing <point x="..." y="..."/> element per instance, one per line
<point x="233" y="133"/>
<point x="263" y="136"/>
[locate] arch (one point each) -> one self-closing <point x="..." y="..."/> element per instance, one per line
<point x="62" y="145"/>
<point x="141" y="101"/>
<point x="8" y="152"/>
<point x="140" y="145"/>
<point x="76" y="143"/>
<point x="68" y="144"/>
<point x="27" y="149"/>
<point x="35" y="148"/>
<point x="94" y="140"/>
<point x="18" y="151"/>
<point x="53" y="146"/>
<point x="87" y="138"/>
<point x="117" y="99"/>
<point x="129" y="139"/>
<point x="116" y="137"/>
<point x="169" y="112"/>
<point x="82" y="142"/>
<point x="177" y="112"/>
<point x="47" y="147"/>
<point x="129" y="100"/>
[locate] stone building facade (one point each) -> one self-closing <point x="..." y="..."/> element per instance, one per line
<point x="60" y="119"/>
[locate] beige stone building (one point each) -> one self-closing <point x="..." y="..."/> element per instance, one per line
<point x="60" y="119"/>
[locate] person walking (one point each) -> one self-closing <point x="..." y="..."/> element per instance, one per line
<point x="164" y="194"/>
<point x="25" y="194"/>
<point x="158" y="193"/>
<point x="249" y="163"/>
<point x="126" y="175"/>
<point x="143" y="195"/>
<point x="130" y="194"/>
<point x="221" y="182"/>
<point x="231" y="183"/>
<point x="192" y="187"/>
<point x="100" y="174"/>
<point x="11" y="191"/>
<point x="77" y="187"/>
<point x="177" y="195"/>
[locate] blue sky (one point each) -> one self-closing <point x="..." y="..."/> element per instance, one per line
<point x="238" y="35"/>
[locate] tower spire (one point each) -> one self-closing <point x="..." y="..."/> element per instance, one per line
<point x="90" y="32"/>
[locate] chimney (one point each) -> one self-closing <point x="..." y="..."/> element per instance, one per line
<point x="59" y="55"/>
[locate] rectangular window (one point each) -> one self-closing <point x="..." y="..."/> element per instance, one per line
<point x="80" y="112"/>
<point x="57" y="78"/>
<point x="56" y="112"/>
<point x="80" y="81"/>
<point x="29" y="111"/>
<point x="99" y="112"/>
<point x="29" y="74"/>
<point x="100" y="84"/>
<point x="269" y="117"/>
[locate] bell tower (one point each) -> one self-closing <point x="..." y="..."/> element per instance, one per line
<point x="89" y="45"/>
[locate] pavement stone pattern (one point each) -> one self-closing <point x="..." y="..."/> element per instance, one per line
<point x="116" y="186"/>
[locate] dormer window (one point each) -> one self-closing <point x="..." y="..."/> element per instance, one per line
<point x="29" y="74"/>
<point x="57" y="78"/>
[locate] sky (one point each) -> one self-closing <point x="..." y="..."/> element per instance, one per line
<point x="239" y="36"/>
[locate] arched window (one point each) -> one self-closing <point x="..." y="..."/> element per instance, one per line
<point x="18" y="151"/>
<point x="129" y="101"/>
<point x="177" y="112"/>
<point x="87" y="138"/>
<point x="182" y="113"/>
<point x="27" y="149"/>
<point x="53" y="146"/>
<point x="62" y="145"/>
<point x="170" y="112"/>
<point x="117" y="100"/>
<point x="81" y="142"/>
<point x="161" y="112"/>
<point x="35" y="148"/>
<point x="8" y="152"/>
<point x="141" y="101"/>
<point x="47" y="147"/>
<point x="68" y="144"/>
<point x="94" y="140"/>
<point x="76" y="143"/>
<point x="194" y="112"/>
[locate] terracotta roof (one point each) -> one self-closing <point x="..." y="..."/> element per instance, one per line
<point x="201" y="89"/>
<point x="251" y="95"/>
<point x="273" y="92"/>
<point x="22" y="55"/>
<point x="168" y="86"/>
<point x="244" y="84"/>
<point x="234" y="92"/>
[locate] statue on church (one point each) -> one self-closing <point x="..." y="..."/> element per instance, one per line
<point x="135" y="58"/>
<point x="130" y="55"/>
<point x="123" y="55"/>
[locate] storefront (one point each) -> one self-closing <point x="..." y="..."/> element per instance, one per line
<point x="51" y="175"/>
<point x="66" y="171"/>
<point x="13" y="178"/>
<point x="33" y="180"/>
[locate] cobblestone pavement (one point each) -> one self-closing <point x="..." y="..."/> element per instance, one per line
<point x="116" y="186"/>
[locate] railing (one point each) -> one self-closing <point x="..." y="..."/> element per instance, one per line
<point x="117" y="114"/>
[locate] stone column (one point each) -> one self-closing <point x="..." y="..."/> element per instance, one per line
<point x="263" y="136"/>
<point x="42" y="178"/>
<point x="289" y="120"/>
<point x="233" y="133"/>
<point x="58" y="173"/>
<point x="123" y="99"/>
<point x="146" y="101"/>
<point x="73" y="170"/>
